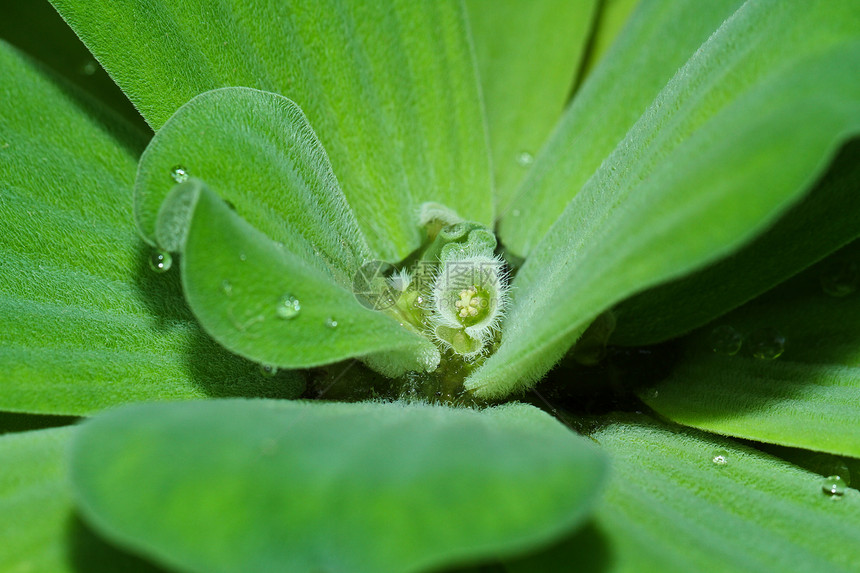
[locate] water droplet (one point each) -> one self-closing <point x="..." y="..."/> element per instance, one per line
<point x="160" y="261"/>
<point x="243" y="257"/>
<point x="840" y="280"/>
<point x="89" y="68"/>
<point x="419" y="300"/>
<point x="828" y="465"/>
<point x="227" y="287"/>
<point x="720" y="458"/>
<point x="766" y="343"/>
<point x="268" y="370"/>
<point x="330" y="323"/>
<point x="725" y="340"/>
<point x="289" y="307"/>
<point x="179" y="174"/>
<point x="524" y="159"/>
<point x="833" y="486"/>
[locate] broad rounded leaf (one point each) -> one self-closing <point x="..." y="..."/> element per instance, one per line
<point x="237" y="486"/>
<point x="257" y="151"/>
<point x="268" y="303"/>
<point x="38" y="524"/>
<point x="84" y="323"/>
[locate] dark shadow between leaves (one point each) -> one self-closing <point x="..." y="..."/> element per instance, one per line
<point x="34" y="27"/>
<point x="89" y="553"/>
<point x="12" y="422"/>
<point x="824" y="220"/>
<point x="586" y="551"/>
<point x="817" y="339"/>
<point x="222" y="374"/>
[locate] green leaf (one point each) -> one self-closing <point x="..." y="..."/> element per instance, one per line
<point x="260" y="155"/>
<point x="656" y="42"/>
<point x="807" y="397"/>
<point x="796" y="241"/>
<point x="270" y="304"/>
<point x="669" y="507"/>
<point x="39" y="528"/>
<point x="84" y="322"/>
<point x="724" y="150"/>
<point x="290" y="486"/>
<point x="389" y="88"/>
<point x="528" y="54"/>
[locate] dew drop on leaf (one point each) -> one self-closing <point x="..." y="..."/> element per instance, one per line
<point x="829" y="465"/>
<point x="330" y="323"/>
<point x="833" y="486"/>
<point x="524" y="159"/>
<point x="721" y="458"/>
<point x="89" y="68"/>
<point x="179" y="174"/>
<point x="268" y="370"/>
<point x="227" y="287"/>
<point x="160" y="261"/>
<point x="766" y="343"/>
<point x="288" y="307"/>
<point x="725" y="340"/>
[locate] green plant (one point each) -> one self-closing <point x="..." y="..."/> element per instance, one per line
<point x="678" y="235"/>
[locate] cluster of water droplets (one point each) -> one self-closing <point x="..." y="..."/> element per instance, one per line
<point x="833" y="486"/>
<point x="160" y="261"/>
<point x="288" y="307"/>
<point x="764" y="343"/>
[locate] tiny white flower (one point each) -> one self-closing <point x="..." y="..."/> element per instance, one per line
<point x="469" y="298"/>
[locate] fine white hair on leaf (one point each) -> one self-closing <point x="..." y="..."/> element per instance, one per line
<point x="401" y="280"/>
